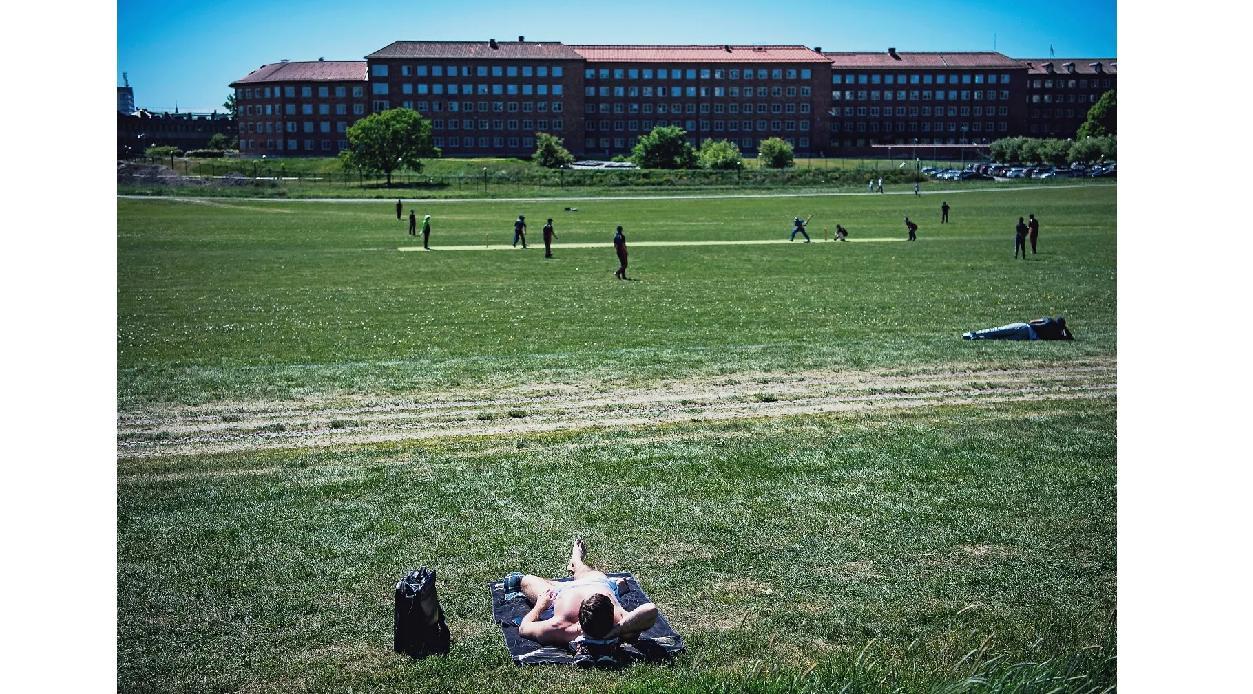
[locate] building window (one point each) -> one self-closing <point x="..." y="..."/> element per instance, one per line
<point x="379" y="70"/>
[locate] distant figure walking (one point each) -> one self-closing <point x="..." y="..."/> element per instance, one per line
<point x="917" y="188"/>
<point x="519" y="231"/>
<point x="399" y="208"/>
<point x="426" y="232"/>
<point x="1020" y="239"/>
<point x="619" y="247"/>
<point x="798" y="227"/>
<point x="549" y="235"/>
<point x="841" y="234"/>
<point x="880" y="184"/>
<point x="413" y="223"/>
<point x="870" y="186"/>
<point x="1033" y="230"/>
<point x="913" y="229"/>
<point x="944" y="212"/>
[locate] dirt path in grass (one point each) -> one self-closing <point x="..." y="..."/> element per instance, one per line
<point x="245" y="426"/>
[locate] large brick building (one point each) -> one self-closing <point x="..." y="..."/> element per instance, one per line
<point x="896" y="97"/>
<point x="486" y="97"/>
<point x="1061" y="90"/>
<point x="301" y="108"/>
<point x="491" y="97"/>
<point x="740" y="93"/>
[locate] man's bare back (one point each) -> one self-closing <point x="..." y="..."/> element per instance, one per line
<point x="557" y="616"/>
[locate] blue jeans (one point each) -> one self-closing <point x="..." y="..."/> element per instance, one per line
<point x="1013" y="331"/>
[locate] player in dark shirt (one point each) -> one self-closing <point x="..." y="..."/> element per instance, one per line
<point x="1020" y="239"/>
<point x="944" y="213"/>
<point x="913" y="229"/>
<point x="413" y="224"/>
<point x="549" y="235"/>
<point x="398" y="209"/>
<point x="841" y="234"/>
<point x="798" y="227"/>
<point x="619" y="246"/>
<point x="1033" y="230"/>
<point x="519" y="231"/>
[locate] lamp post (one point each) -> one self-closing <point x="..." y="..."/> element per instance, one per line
<point x="917" y="166"/>
<point x="964" y="129"/>
<point x="264" y="167"/>
<point x="485" y="180"/>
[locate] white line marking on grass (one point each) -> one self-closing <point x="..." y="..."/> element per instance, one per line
<point x="602" y="198"/>
<point x="634" y="244"/>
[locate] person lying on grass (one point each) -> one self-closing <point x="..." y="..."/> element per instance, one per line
<point x="586" y="607"/>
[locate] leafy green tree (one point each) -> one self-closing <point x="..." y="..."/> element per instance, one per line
<point x="398" y="138"/>
<point x="666" y="147"/>
<point x="719" y="154"/>
<point x="219" y="141"/>
<point x="1006" y="149"/>
<point x="1109" y="147"/>
<point x="231" y="106"/>
<point x="1102" y="117"/>
<point x="550" y="152"/>
<point x="1055" y="151"/>
<point x="775" y="153"/>
<point x="1030" y="151"/>
<point x="1086" y="149"/>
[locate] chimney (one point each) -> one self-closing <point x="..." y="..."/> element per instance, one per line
<point x="1097" y="67"/>
<point x="492" y="43"/>
<point x="1048" y="67"/>
<point x="321" y="59"/>
<point x="521" y="38"/>
<point x="284" y="60"/>
<point x="892" y="52"/>
<point x="817" y="49"/>
<point x="727" y="48"/>
<point x="1070" y="68"/>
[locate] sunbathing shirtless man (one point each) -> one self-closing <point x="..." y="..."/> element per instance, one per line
<point x="587" y="606"/>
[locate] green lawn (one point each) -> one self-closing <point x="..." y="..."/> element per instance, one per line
<point x="960" y="545"/>
<point x="260" y="299"/>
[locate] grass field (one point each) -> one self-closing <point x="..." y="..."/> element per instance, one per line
<point x="821" y="485"/>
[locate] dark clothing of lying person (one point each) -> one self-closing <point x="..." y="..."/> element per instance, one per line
<point x="1038" y="329"/>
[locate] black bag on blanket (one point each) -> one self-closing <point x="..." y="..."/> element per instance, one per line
<point x="420" y="629"/>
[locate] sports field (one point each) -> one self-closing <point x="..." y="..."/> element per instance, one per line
<point x="818" y="482"/>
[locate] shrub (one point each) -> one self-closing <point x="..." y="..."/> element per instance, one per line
<point x="720" y="154"/>
<point x="666" y="147"/>
<point x="550" y="152"/>
<point x="162" y="152"/>
<point x="206" y="153"/>
<point x="775" y="153"/>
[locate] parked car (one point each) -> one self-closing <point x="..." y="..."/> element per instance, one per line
<point x="1016" y="173"/>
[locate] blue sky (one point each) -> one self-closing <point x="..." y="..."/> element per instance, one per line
<point x="185" y="53"/>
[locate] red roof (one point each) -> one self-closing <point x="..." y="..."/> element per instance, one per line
<point x="1082" y="65"/>
<point x="699" y="54"/>
<point x="311" y="71"/>
<point x="882" y="59"/>
<point x="475" y="50"/>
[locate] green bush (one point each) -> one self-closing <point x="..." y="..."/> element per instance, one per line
<point x="720" y="155"/>
<point x="775" y="153"/>
<point x="666" y="147"/>
<point x="162" y="152"/>
<point x="550" y="152"/>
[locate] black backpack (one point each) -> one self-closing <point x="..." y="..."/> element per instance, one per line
<point x="420" y="628"/>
